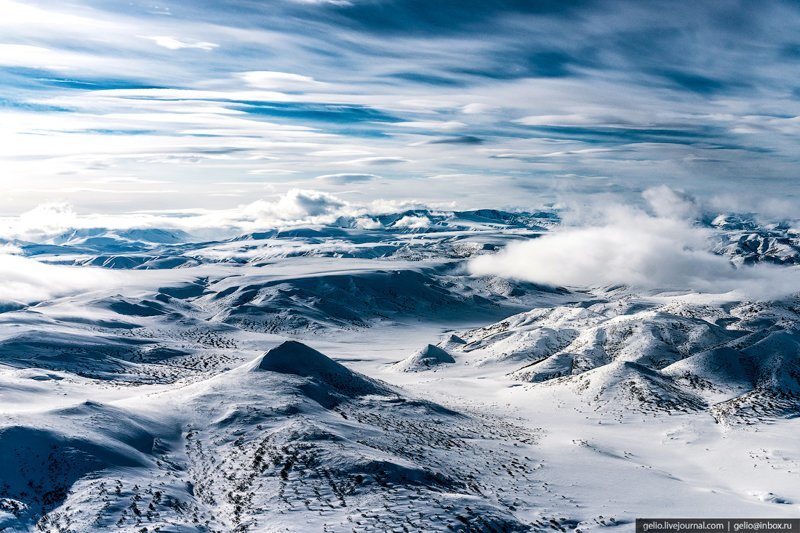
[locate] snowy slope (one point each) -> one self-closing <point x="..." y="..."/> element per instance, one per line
<point x="337" y="378"/>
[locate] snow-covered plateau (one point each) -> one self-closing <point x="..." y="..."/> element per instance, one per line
<point x="390" y="377"/>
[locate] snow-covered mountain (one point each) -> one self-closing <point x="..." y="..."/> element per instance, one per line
<point x="629" y="354"/>
<point x="747" y="242"/>
<point x="356" y="377"/>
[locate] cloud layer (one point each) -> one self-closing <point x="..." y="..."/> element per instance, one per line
<point x="125" y="107"/>
<point x="27" y="281"/>
<point x="658" y="248"/>
<point x="296" y="207"/>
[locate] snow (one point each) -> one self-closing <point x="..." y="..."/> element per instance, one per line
<point x="337" y="378"/>
<point x="423" y="359"/>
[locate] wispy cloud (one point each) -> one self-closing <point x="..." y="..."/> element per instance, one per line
<point x="445" y="125"/>
<point x="171" y="43"/>
<point x="343" y="178"/>
<point x="695" y="95"/>
<point x="264" y="79"/>
<point x="375" y="161"/>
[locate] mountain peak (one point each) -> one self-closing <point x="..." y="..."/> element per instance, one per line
<point x="428" y="357"/>
<point x="296" y="358"/>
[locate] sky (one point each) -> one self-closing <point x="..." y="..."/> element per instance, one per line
<point x="118" y="107"/>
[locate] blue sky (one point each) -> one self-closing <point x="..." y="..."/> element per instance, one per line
<point x="119" y="106"/>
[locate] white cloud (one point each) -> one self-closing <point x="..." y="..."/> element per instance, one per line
<point x="21" y="55"/>
<point x="26" y="280"/>
<point x="295" y="205"/>
<point x="273" y="80"/>
<point x="447" y="125"/>
<point x="413" y="222"/>
<point x="343" y="178"/>
<point x="10" y="249"/>
<point x="368" y="223"/>
<point x="382" y="206"/>
<point x="279" y="171"/>
<point x="371" y="161"/>
<point x="171" y="43"/>
<point x="126" y="179"/>
<point x="556" y="120"/>
<point x="340" y="152"/>
<point x="628" y="246"/>
<point x="669" y="203"/>
<point x="767" y="207"/>
<point x="332" y="2"/>
<point x="46" y="219"/>
<point x="477" y="109"/>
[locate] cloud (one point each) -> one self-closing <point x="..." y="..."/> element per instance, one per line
<point x="10" y="249"/>
<point x="332" y="2"/>
<point x="671" y="204"/>
<point x="267" y="79"/>
<point x="375" y="161"/>
<point x="26" y="280"/>
<point x="37" y="57"/>
<point x="295" y="207"/>
<point x="296" y="204"/>
<point x="446" y="125"/>
<point x="477" y="108"/>
<point x="126" y="179"/>
<point x="766" y="207"/>
<point x="368" y="223"/>
<point x="621" y="245"/>
<point x="262" y="171"/>
<point x="463" y="139"/>
<point x="45" y="219"/>
<point x="344" y="178"/>
<point x="413" y="222"/>
<point x="556" y="120"/>
<point x="699" y="96"/>
<point x="171" y="43"/>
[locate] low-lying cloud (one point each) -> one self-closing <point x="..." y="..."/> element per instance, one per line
<point x="28" y="281"/>
<point x="413" y="222"/>
<point x="295" y="205"/>
<point x="655" y="248"/>
<point x="298" y="206"/>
